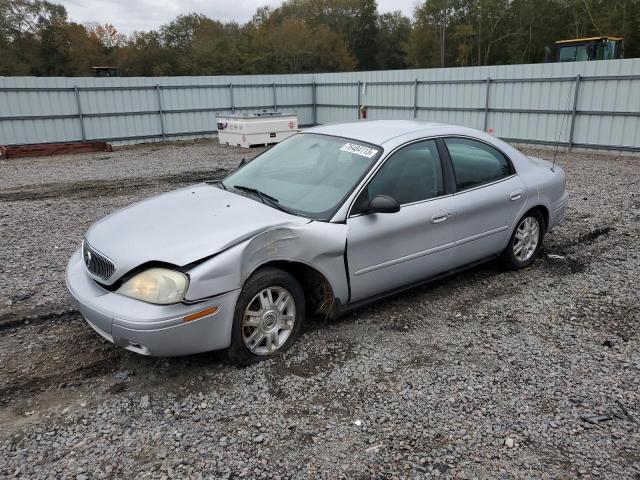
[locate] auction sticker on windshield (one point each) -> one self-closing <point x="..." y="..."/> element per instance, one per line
<point x="359" y="150"/>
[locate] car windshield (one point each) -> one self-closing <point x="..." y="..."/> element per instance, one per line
<point x="308" y="174"/>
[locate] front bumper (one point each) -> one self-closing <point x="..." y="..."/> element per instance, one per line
<point x="157" y="330"/>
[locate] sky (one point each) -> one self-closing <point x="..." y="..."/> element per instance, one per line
<point x="130" y="15"/>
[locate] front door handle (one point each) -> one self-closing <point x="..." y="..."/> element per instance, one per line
<point x="440" y="216"/>
<point x="517" y="195"/>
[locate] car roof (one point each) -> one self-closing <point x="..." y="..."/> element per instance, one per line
<point x="378" y="131"/>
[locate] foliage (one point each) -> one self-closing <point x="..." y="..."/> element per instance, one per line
<point x="38" y="38"/>
<point x="495" y="32"/>
<point x="393" y="30"/>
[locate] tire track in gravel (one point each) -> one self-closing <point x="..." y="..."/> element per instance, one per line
<point x="586" y="238"/>
<point x="64" y="355"/>
<point x="37" y="365"/>
<point x="33" y="317"/>
<point x="106" y="188"/>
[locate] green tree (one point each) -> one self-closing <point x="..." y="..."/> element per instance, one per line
<point x="178" y="37"/>
<point x="38" y="38"/>
<point x="365" y="38"/>
<point x="144" y="55"/>
<point x="431" y="32"/>
<point x="292" y="46"/>
<point x="392" y="36"/>
<point x="355" y="21"/>
<point x="17" y="40"/>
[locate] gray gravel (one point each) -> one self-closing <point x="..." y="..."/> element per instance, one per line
<point x="488" y="374"/>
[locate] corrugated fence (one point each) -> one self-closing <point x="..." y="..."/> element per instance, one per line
<point x="585" y="104"/>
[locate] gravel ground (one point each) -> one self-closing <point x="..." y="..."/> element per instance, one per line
<point x="487" y="374"/>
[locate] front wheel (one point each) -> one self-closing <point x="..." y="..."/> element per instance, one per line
<point x="268" y="316"/>
<point x="526" y="242"/>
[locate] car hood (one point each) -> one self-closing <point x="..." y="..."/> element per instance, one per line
<point x="181" y="227"/>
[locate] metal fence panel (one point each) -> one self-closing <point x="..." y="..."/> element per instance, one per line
<point x="586" y="104"/>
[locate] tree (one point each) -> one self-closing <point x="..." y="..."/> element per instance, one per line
<point x="17" y="41"/>
<point x="54" y="40"/>
<point x="292" y="46"/>
<point x="393" y="30"/>
<point x="430" y="32"/>
<point x="365" y="39"/>
<point x="144" y="55"/>
<point x="354" y="21"/>
<point x="216" y="49"/>
<point x="422" y="46"/>
<point x="38" y="38"/>
<point x="464" y="36"/>
<point x="178" y="37"/>
<point x="106" y="36"/>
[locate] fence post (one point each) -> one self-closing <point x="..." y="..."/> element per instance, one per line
<point x="275" y="98"/>
<point x="160" y="111"/>
<point x="80" y="116"/>
<point x="233" y="107"/>
<point x="314" y="99"/>
<point x="358" y="111"/>
<point x="415" y="98"/>
<point x="486" y="104"/>
<point x="573" y="113"/>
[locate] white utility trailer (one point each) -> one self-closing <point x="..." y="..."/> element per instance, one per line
<point x="261" y="128"/>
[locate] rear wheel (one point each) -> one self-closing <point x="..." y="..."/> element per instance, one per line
<point x="268" y="316"/>
<point x="526" y="241"/>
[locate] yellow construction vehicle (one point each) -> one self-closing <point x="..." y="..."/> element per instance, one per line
<point x="603" y="47"/>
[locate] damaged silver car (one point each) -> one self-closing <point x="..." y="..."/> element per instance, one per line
<point x="327" y="221"/>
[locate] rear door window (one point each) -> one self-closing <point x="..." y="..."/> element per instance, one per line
<point x="476" y="163"/>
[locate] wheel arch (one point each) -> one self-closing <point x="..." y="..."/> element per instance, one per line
<point x="318" y="291"/>
<point x="544" y="211"/>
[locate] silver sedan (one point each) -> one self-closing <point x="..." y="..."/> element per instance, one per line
<point x="327" y="221"/>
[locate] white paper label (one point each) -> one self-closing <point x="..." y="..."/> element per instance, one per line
<point x="359" y="150"/>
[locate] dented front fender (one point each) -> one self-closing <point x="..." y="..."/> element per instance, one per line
<point x="319" y="245"/>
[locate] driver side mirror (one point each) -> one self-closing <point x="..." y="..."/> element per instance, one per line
<point x="383" y="204"/>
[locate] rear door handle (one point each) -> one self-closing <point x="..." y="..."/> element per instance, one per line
<point x="517" y="195"/>
<point x="440" y="216"/>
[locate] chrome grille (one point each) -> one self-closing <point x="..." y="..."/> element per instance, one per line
<point x="96" y="263"/>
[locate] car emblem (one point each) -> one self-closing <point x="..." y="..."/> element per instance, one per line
<point x="87" y="258"/>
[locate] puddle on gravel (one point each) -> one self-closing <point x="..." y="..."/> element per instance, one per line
<point x="307" y="365"/>
<point x="565" y="265"/>
<point x="431" y="357"/>
<point x="315" y="361"/>
<point x="182" y="376"/>
<point x="586" y="238"/>
<point x="559" y="259"/>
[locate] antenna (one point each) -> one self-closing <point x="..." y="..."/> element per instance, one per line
<point x="566" y="112"/>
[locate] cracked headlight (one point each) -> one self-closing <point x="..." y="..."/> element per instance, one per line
<point x="156" y="285"/>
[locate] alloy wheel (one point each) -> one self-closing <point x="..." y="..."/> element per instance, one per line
<point x="268" y="320"/>
<point x="526" y="239"/>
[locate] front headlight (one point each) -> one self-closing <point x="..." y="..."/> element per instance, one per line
<point x="156" y="285"/>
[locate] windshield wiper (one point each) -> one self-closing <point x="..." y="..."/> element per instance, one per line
<point x="264" y="198"/>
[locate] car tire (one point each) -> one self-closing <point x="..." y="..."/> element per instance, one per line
<point x="270" y="302"/>
<point x="524" y="247"/>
